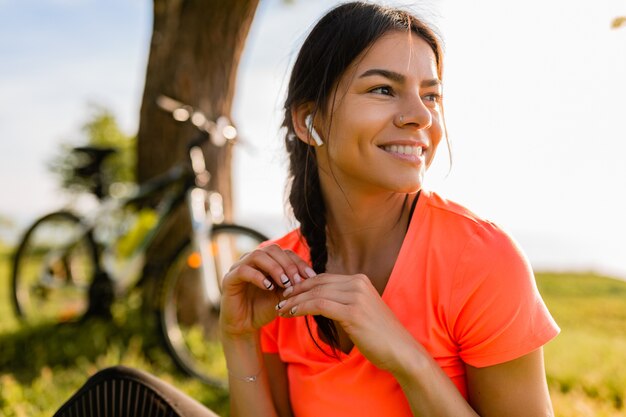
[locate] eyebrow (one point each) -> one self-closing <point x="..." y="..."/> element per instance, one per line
<point x="397" y="77"/>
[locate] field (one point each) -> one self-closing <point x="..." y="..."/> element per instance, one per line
<point x="586" y="363"/>
<point x="42" y="366"/>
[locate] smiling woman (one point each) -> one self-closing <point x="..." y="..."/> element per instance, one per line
<point x="412" y="297"/>
<point x="388" y="299"/>
<point x="390" y="101"/>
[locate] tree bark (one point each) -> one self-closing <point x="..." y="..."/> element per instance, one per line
<point x="194" y="53"/>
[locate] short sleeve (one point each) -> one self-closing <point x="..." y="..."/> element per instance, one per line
<point x="496" y="311"/>
<point x="269" y="337"/>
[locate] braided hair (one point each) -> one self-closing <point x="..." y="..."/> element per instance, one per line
<point x="343" y="34"/>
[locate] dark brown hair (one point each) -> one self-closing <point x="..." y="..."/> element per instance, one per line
<point x="343" y="34"/>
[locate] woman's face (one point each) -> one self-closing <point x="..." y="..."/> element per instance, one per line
<point x="385" y="122"/>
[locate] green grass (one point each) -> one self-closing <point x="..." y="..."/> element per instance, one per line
<point x="586" y="363"/>
<point x="42" y="366"/>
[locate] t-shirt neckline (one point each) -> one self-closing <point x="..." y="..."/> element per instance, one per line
<point x="410" y="233"/>
<point x="391" y="283"/>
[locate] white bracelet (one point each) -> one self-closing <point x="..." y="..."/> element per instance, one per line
<point x="248" y="378"/>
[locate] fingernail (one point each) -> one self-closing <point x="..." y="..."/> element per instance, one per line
<point x="285" y="280"/>
<point x="297" y="278"/>
<point x="280" y="305"/>
<point x="287" y="291"/>
<point x="293" y="309"/>
<point x="310" y="272"/>
<point x="268" y="284"/>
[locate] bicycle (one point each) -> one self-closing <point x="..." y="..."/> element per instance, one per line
<point x="69" y="266"/>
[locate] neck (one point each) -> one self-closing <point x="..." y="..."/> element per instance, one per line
<point x="362" y="230"/>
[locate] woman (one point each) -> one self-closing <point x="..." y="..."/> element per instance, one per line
<point x="388" y="300"/>
<point x="430" y="309"/>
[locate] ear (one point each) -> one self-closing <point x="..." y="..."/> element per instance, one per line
<point x="304" y="125"/>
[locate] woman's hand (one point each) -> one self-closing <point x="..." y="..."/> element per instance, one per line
<point x="251" y="288"/>
<point x="353" y="303"/>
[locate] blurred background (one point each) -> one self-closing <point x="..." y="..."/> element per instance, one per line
<point x="534" y="96"/>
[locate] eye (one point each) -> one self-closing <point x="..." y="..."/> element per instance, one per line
<point x="433" y="97"/>
<point x="383" y="89"/>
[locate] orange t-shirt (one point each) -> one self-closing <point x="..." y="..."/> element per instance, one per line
<point x="460" y="285"/>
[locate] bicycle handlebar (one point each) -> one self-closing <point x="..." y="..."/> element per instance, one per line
<point x="219" y="132"/>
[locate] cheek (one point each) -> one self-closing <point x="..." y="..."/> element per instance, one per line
<point x="436" y="136"/>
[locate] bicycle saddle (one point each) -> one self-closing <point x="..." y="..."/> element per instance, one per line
<point x="90" y="168"/>
<point x="95" y="157"/>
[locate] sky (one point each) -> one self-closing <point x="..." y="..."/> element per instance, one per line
<point x="534" y="100"/>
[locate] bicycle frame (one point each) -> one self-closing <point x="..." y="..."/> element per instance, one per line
<point x="101" y="252"/>
<point x="179" y="186"/>
<point x="201" y="223"/>
<point x="123" y="278"/>
<point x="205" y="208"/>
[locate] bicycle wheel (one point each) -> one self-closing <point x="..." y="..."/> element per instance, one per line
<point x="189" y="324"/>
<point x="52" y="268"/>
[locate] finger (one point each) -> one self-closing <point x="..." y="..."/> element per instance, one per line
<point x="331" y="309"/>
<point x="246" y="273"/>
<point x="305" y="270"/>
<point x="347" y="283"/>
<point x="268" y="265"/>
<point x="289" y="261"/>
<point x="325" y="292"/>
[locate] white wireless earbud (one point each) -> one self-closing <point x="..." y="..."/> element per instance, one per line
<point x="309" y="125"/>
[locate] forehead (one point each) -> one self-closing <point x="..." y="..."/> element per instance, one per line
<point x="401" y="52"/>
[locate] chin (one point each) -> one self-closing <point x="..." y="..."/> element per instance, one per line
<point x="409" y="188"/>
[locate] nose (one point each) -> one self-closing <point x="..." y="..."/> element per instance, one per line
<point x="413" y="113"/>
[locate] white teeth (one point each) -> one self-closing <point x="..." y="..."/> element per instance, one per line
<point x="404" y="150"/>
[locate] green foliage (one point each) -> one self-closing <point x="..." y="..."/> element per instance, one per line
<point x="101" y="130"/>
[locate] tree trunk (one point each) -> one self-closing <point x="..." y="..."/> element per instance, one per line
<point x="195" y="50"/>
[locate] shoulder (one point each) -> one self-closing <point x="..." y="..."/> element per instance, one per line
<point x="480" y="259"/>
<point x="459" y="226"/>
<point x="494" y="310"/>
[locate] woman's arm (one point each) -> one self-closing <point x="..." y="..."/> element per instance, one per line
<point x="248" y="378"/>
<point x="427" y="388"/>
<point x="268" y="394"/>
<point x="352" y="301"/>
<point x="514" y="388"/>
<point x="250" y="291"/>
